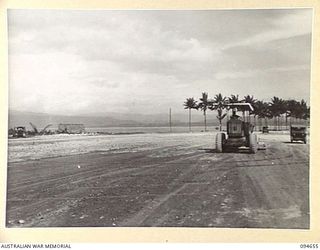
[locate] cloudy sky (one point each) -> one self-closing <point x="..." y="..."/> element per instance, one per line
<point x="77" y="62"/>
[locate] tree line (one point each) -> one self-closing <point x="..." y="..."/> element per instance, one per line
<point x="277" y="109"/>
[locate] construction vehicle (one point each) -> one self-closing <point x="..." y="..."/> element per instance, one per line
<point x="239" y="133"/>
<point x="36" y="131"/>
<point x="20" y="132"/>
<point x="265" y="130"/>
<point x="44" y="130"/>
<point x="298" y="133"/>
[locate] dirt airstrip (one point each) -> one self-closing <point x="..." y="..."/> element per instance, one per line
<point x="163" y="180"/>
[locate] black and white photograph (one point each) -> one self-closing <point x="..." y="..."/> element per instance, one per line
<point x="159" y="118"/>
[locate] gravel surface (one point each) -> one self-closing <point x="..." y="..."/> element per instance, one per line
<point x="171" y="180"/>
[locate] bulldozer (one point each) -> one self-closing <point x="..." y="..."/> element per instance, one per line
<point x="239" y="132"/>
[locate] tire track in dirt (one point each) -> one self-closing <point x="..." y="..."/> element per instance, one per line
<point x="34" y="182"/>
<point x="57" y="168"/>
<point x="202" y="189"/>
<point x="145" y="212"/>
<point x="153" y="213"/>
<point x="268" y="198"/>
<point x="89" y="178"/>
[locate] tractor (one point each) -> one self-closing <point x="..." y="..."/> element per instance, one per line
<point x="239" y="133"/>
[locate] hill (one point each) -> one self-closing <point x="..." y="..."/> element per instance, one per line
<point x="22" y="118"/>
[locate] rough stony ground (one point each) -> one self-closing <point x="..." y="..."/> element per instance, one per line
<point x="168" y="180"/>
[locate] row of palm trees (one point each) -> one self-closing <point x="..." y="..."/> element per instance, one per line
<point x="277" y="109"/>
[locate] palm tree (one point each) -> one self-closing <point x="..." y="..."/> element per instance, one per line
<point x="283" y="110"/>
<point x="251" y="100"/>
<point x="277" y="108"/>
<point x="291" y="110"/>
<point x="297" y="110"/>
<point x="233" y="99"/>
<point x="219" y="105"/>
<point x="306" y="115"/>
<point x="203" y="105"/>
<point x="306" y="112"/>
<point x="220" y="117"/>
<point x="264" y="112"/>
<point x="303" y="109"/>
<point x="259" y="107"/>
<point x="190" y="103"/>
<point x="287" y="112"/>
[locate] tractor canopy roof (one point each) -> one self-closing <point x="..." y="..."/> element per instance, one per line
<point x="241" y="106"/>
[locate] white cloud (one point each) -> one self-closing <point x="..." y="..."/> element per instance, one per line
<point x="290" y="25"/>
<point x="258" y="72"/>
<point x="83" y="61"/>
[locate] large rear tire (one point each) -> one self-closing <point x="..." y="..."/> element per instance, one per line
<point x="253" y="143"/>
<point x="220" y="138"/>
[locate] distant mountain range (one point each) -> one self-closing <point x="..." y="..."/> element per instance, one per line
<point x="23" y="118"/>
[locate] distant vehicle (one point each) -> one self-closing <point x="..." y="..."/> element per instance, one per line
<point x="71" y="128"/>
<point x="265" y="130"/>
<point x="20" y="132"/>
<point x="298" y="133"/>
<point x="239" y="133"/>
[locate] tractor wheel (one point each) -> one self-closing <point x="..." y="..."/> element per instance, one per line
<point x="220" y="138"/>
<point x="253" y="143"/>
